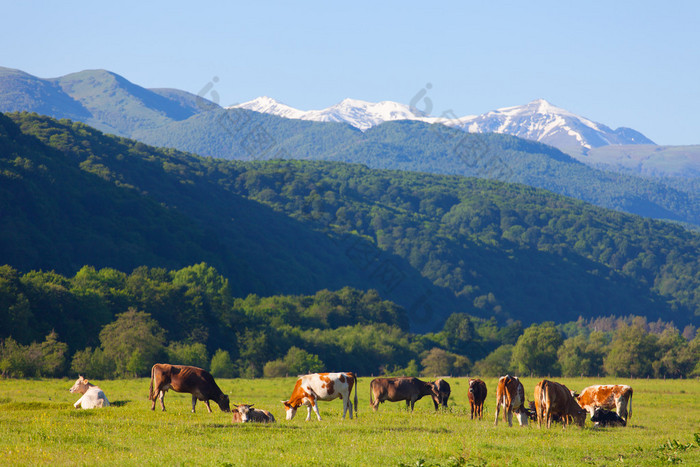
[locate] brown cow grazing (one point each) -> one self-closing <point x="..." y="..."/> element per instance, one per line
<point x="443" y="390"/>
<point x="477" y="396"/>
<point x="510" y="395"/>
<point x="405" y="388"/>
<point x="309" y="389"/>
<point x="616" y="397"/>
<point x="245" y="413"/>
<point x="554" y="398"/>
<point x="182" y="378"/>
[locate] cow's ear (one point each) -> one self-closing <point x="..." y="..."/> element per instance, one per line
<point x="251" y="405"/>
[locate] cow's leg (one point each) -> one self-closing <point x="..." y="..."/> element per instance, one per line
<point x="207" y="404"/>
<point x="348" y="406"/>
<point x="315" y="406"/>
<point x="194" y="402"/>
<point x="510" y="416"/>
<point x="498" y="412"/>
<point x="471" y="413"/>
<point x="161" y="396"/>
<point x="78" y="402"/>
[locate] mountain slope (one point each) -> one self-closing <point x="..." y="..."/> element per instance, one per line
<point x="418" y="146"/>
<point x="536" y="121"/>
<point x="99" y="98"/>
<point x="434" y="244"/>
<point x="543" y="122"/>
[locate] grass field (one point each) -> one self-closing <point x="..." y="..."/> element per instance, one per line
<point x="39" y="426"/>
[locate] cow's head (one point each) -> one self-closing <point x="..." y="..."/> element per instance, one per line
<point x="579" y="416"/>
<point x="290" y="409"/>
<point x="223" y="402"/>
<point x="244" y="410"/>
<point x="81" y="385"/>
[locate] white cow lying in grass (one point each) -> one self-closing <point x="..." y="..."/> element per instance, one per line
<point x="92" y="396"/>
<point x="245" y="413"/>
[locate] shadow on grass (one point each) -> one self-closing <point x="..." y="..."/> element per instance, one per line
<point x="118" y="403"/>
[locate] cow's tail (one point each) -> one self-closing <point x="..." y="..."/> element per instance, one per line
<point x="151" y="395"/>
<point x="355" y="375"/>
<point x="371" y="395"/>
<point x="629" y="406"/>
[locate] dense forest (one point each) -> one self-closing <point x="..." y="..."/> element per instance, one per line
<point x="417" y="146"/>
<point x="433" y="244"/>
<point x="107" y="323"/>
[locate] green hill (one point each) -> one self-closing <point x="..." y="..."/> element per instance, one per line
<point x="434" y="244"/>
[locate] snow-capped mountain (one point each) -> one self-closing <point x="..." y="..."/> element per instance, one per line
<point x="360" y="114"/>
<point x="538" y="121"/>
<point x="541" y="121"/>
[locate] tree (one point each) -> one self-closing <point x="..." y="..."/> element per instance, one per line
<point x="579" y="355"/>
<point x="222" y="365"/>
<point x="439" y="362"/>
<point x="188" y="354"/>
<point x="536" y="350"/>
<point x="297" y="361"/>
<point x="632" y="352"/>
<point x="133" y="341"/>
<point x="53" y="356"/>
<point x="459" y="333"/>
<point x="497" y="363"/>
<point x="92" y="363"/>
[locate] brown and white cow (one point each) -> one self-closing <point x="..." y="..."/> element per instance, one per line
<point x="245" y="413"/>
<point x="555" y="398"/>
<point x="190" y="379"/>
<point x="92" y="396"/>
<point x="404" y="388"/>
<point x="309" y="389"/>
<point x="443" y="390"/>
<point x="615" y="397"/>
<point x="477" y="395"/>
<point x="510" y="395"/>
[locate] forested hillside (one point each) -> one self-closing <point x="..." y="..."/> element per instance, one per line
<point x="418" y="146"/>
<point x="106" y="324"/>
<point x="433" y="244"/>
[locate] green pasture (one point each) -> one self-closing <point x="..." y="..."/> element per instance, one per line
<point x="39" y="426"/>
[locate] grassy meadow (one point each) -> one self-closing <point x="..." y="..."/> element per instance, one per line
<point x="39" y="426"/>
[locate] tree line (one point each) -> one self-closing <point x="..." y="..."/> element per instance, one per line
<point x="109" y="324"/>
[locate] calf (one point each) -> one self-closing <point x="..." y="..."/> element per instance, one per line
<point x="309" y="389"/>
<point x="245" y="413"/>
<point x="443" y="390"/>
<point x="405" y="388"/>
<point x="602" y="417"/>
<point x="190" y="379"/>
<point x="92" y="396"/>
<point x="616" y="397"/>
<point x="477" y="395"/>
<point x="510" y="395"/>
<point x="554" y="398"/>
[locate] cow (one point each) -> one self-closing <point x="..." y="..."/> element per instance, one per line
<point x="554" y="398"/>
<point x="443" y="390"/>
<point x="510" y="395"/>
<point x="616" y="397"/>
<point x="92" y="396"/>
<point x="477" y="395"/>
<point x="190" y="379"/>
<point x="602" y="417"/>
<point x="404" y="388"/>
<point x="245" y="413"/>
<point x="309" y="389"/>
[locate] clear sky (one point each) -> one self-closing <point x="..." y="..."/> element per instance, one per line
<point x="621" y="63"/>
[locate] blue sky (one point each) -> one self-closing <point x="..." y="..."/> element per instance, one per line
<point x="621" y="63"/>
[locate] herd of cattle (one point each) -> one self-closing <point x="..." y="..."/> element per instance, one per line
<point x="608" y="405"/>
